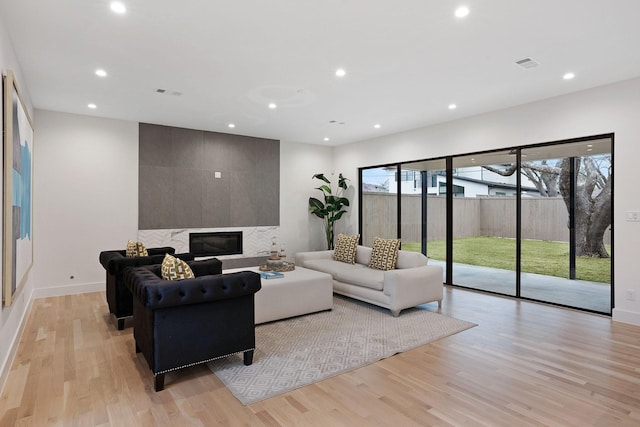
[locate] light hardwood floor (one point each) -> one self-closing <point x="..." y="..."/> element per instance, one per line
<point x="524" y="364"/>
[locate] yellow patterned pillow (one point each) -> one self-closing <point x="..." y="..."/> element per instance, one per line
<point x="175" y="269"/>
<point x="345" y="248"/>
<point x="384" y="253"/>
<point x="136" y="249"/>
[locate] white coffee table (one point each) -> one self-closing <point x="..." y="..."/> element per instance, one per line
<point x="301" y="291"/>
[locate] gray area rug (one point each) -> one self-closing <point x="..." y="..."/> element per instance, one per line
<point x="296" y="352"/>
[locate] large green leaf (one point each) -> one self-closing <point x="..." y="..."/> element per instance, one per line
<point x="317" y="208"/>
<point x="344" y="201"/>
<point x="342" y="182"/>
<point x="322" y="177"/>
<point x="324" y="188"/>
<point x="338" y="216"/>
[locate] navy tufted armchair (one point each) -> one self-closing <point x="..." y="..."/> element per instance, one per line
<point x="181" y="323"/>
<point x="115" y="262"/>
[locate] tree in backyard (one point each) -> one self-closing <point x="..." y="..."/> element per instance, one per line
<point x="592" y="198"/>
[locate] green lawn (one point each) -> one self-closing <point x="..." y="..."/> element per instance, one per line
<point x="550" y="258"/>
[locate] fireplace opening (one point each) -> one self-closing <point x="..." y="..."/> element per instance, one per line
<point x="215" y="243"/>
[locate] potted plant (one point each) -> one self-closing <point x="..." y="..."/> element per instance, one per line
<point x="331" y="210"/>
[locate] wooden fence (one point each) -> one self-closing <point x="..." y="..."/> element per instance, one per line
<point x="543" y="218"/>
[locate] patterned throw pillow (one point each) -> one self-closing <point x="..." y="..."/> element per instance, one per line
<point x="175" y="269"/>
<point x="345" y="248"/>
<point x="136" y="249"/>
<point x="384" y="253"/>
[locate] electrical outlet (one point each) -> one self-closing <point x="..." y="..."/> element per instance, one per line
<point x="631" y="295"/>
<point x="633" y="216"/>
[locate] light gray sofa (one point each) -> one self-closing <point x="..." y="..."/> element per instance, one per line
<point x="411" y="283"/>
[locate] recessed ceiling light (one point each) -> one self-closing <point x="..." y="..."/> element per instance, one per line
<point x="101" y="73"/>
<point x="462" y="11"/>
<point x="452" y="106"/>
<point x="340" y="72"/>
<point x="273" y="106"/>
<point x="118" y="7"/>
<point x="589" y="145"/>
<point x="568" y="76"/>
<point x="92" y="106"/>
<point x="231" y="125"/>
<point x="377" y="126"/>
<point x="326" y="139"/>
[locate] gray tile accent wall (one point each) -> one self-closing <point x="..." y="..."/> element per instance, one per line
<point x="178" y="187"/>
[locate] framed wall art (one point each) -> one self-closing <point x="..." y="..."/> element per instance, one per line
<point x="18" y="189"/>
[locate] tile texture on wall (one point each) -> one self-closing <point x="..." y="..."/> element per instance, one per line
<point x="178" y="186"/>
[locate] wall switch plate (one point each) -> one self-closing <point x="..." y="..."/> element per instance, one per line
<point x="631" y="295"/>
<point x="633" y="216"/>
<point x="217" y="174"/>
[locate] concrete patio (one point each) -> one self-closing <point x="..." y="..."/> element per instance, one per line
<point x="574" y="293"/>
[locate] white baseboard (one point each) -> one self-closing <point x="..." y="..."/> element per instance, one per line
<point x="5" y="368"/>
<point x="625" y="316"/>
<point x="68" y="290"/>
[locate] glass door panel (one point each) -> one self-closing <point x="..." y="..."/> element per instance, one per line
<point x="566" y="224"/>
<point x="379" y="204"/>
<point x="421" y="201"/>
<point x="484" y="221"/>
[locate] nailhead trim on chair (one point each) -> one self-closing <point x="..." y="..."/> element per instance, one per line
<point x="198" y="363"/>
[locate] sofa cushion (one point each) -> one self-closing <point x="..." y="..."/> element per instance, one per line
<point x="384" y="253"/>
<point x="331" y="266"/>
<point x="345" y="248"/>
<point x="175" y="269"/>
<point x="135" y="249"/>
<point x="363" y="255"/>
<point x="364" y="277"/>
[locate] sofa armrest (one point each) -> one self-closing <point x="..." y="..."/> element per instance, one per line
<point x="302" y="257"/>
<point x="161" y="251"/>
<point x="106" y="256"/>
<point x="155" y="293"/>
<point x="404" y="285"/>
<point x="116" y="261"/>
<point x="205" y="267"/>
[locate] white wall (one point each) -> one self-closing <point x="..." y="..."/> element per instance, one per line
<point x="298" y="163"/>
<point x="85" y="198"/>
<point x="612" y="108"/>
<point x="12" y="318"/>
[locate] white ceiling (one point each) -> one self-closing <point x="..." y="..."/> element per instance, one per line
<point x="406" y="60"/>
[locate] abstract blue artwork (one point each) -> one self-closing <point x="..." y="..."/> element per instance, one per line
<point x="18" y="167"/>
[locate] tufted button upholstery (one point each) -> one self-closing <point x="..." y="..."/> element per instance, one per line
<point x="180" y="323"/>
<point x="154" y="292"/>
<point x="115" y="262"/>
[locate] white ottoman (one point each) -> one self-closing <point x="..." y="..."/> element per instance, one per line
<point x="301" y="291"/>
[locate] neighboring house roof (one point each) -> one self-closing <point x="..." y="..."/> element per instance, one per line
<point x="492" y="184"/>
<point x="374" y="188"/>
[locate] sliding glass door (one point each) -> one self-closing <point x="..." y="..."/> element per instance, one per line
<point x="379" y="204"/>
<point x="424" y="209"/>
<point x="484" y="221"/>
<point x="566" y="224"/>
<point x="531" y="222"/>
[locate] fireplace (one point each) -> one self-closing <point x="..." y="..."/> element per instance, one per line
<point x="215" y="243"/>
